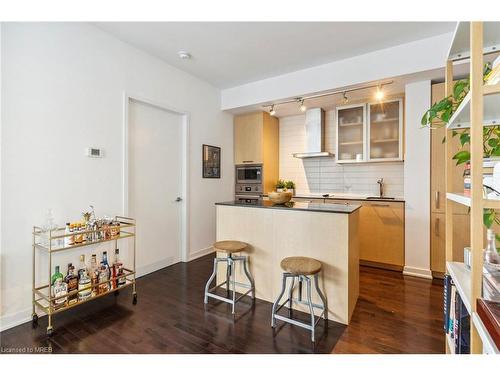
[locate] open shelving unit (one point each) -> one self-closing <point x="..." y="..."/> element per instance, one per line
<point x="52" y="241"/>
<point x="481" y="107"/>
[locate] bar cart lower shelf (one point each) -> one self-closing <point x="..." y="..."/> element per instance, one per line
<point x="43" y="298"/>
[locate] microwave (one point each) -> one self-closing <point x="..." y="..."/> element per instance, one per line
<point x="249" y="174"/>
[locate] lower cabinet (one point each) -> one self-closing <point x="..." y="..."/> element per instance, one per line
<point x="381" y="233"/>
<point x="461" y="239"/>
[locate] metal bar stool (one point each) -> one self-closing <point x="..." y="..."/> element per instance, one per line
<point x="301" y="268"/>
<point x="230" y="247"/>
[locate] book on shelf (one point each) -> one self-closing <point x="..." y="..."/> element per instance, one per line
<point x="456" y="318"/>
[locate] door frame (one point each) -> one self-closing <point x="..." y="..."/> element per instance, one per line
<point x="185" y="117"/>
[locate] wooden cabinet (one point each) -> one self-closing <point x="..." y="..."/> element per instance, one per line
<point x="256" y="141"/>
<point x="461" y="219"/>
<point x="381" y="232"/>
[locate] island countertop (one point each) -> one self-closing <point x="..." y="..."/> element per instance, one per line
<point x="297" y="206"/>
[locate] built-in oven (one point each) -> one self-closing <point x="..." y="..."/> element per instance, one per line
<point x="249" y="174"/>
<point x="248" y="199"/>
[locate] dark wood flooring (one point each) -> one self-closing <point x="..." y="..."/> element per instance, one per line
<point x="394" y="314"/>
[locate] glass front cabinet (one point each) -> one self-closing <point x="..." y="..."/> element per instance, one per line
<point x="351" y="133"/>
<point x="370" y="132"/>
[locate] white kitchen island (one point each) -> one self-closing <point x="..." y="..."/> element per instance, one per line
<point x="327" y="232"/>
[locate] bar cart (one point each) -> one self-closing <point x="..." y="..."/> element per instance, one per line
<point x="53" y="241"/>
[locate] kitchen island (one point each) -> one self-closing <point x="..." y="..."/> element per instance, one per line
<point x="327" y="232"/>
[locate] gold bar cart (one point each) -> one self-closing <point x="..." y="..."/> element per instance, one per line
<point x="46" y="241"/>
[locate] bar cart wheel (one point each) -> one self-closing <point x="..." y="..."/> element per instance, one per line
<point x="34" y="320"/>
<point x="50" y="331"/>
<point x="134" y="299"/>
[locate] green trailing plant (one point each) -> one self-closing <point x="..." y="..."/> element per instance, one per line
<point x="290" y="184"/>
<point x="440" y="113"/>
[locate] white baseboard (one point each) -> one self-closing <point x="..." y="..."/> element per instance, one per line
<point x="200" y="253"/>
<point x="152" y="267"/>
<point x="417" y="272"/>
<point x="12" y="320"/>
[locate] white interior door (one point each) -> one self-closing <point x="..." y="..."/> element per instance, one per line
<point x="155" y="183"/>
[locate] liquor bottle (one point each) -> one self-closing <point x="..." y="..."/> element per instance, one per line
<point x="72" y="281"/>
<point x="490" y="253"/>
<point x="84" y="286"/>
<point x="106" y="264"/>
<point x="68" y="241"/>
<point x="103" y="277"/>
<point x="94" y="274"/>
<point x="118" y="269"/>
<point x="59" y="288"/>
<point x="82" y="267"/>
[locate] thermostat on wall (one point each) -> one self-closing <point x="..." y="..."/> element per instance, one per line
<point x="95" y="152"/>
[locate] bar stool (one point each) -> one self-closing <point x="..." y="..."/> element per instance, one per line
<point x="230" y="247"/>
<point x="301" y="268"/>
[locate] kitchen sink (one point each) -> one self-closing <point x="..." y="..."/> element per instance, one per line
<point x="379" y="198"/>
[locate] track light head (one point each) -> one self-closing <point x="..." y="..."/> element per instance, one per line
<point x="345" y="100"/>
<point x="302" y="107"/>
<point x="272" y="111"/>
<point x="379" y="95"/>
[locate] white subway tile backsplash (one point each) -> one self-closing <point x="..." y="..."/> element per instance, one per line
<point x="323" y="175"/>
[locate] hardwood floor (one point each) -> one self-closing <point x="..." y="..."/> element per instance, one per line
<point x="394" y="314"/>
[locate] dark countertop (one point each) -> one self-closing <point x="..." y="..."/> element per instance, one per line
<point x="297" y="206"/>
<point x="344" y="197"/>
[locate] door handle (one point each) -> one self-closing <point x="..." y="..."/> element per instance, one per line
<point x="178" y="199"/>
<point x="436" y="227"/>
<point x="247" y="161"/>
<point x="436" y="199"/>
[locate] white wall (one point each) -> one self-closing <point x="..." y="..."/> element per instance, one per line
<point x="417" y="182"/>
<point x="409" y="58"/>
<point x="323" y="175"/>
<point x="62" y="91"/>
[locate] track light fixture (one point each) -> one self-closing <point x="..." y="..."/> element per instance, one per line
<point x="344" y="98"/>
<point x="302" y="107"/>
<point x="272" y="112"/>
<point x="379" y="95"/>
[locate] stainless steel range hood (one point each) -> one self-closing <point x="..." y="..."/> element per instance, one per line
<point x="315" y="140"/>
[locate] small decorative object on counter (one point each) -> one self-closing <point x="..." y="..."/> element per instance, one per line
<point x="290" y="186"/>
<point x="280" y="186"/>
<point x="59" y="288"/>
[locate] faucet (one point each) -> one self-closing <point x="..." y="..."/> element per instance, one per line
<point x="380" y="182"/>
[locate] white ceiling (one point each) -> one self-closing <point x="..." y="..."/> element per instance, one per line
<point x="228" y="54"/>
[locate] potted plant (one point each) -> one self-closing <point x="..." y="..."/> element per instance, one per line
<point x="290" y="186"/>
<point x="280" y="186"/>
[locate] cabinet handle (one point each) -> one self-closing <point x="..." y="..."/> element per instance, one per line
<point x="436" y="227"/>
<point x="436" y="199"/>
<point x="247" y="161"/>
<point x="380" y="205"/>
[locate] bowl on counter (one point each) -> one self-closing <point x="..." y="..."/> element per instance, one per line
<point x="281" y="197"/>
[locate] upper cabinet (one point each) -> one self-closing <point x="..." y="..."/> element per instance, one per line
<point x="370" y="132"/>
<point x="351" y="123"/>
<point x="385" y="127"/>
<point x="256" y="141"/>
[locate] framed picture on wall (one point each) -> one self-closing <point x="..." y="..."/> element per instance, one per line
<point x="211" y="161"/>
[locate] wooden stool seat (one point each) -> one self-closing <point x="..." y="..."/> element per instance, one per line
<point x="230" y="247"/>
<point x="301" y="265"/>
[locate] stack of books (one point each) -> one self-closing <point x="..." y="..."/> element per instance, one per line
<point x="456" y="318"/>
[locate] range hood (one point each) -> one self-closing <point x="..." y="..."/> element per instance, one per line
<point x="315" y="140"/>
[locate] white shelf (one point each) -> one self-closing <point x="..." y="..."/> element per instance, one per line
<point x="386" y="140"/>
<point x="460" y="45"/>
<point x="351" y="143"/>
<point x="461" y="279"/>
<point x="489" y="346"/>
<point x="393" y="119"/>
<point x="465" y="200"/>
<point x="491" y="112"/>
<point x="351" y="124"/>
